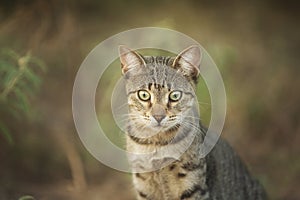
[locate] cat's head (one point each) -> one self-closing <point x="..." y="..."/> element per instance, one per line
<point x="160" y="89"/>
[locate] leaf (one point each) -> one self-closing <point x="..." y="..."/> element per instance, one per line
<point x="5" y="66"/>
<point x="9" y="76"/>
<point x="26" y="197"/>
<point x="22" y="104"/>
<point x="6" y="134"/>
<point x="10" y="53"/>
<point x="38" y="62"/>
<point x="26" y="87"/>
<point x="12" y="111"/>
<point x="32" y="78"/>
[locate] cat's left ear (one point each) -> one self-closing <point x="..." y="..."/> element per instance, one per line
<point x="188" y="62"/>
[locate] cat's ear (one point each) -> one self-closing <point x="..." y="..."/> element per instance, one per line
<point x="188" y="62"/>
<point x="130" y="60"/>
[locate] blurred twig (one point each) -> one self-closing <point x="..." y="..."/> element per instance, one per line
<point x="19" y="82"/>
<point x="26" y="197"/>
<point x="22" y="65"/>
<point x="75" y="163"/>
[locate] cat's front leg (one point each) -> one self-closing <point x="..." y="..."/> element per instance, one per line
<point x="194" y="193"/>
<point x="145" y="187"/>
<point x="187" y="181"/>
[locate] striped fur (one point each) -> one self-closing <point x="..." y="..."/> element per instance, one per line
<point x="160" y="124"/>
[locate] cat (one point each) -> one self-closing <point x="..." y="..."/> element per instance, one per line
<point x="163" y="118"/>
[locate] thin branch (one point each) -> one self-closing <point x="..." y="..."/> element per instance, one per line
<point x="22" y="64"/>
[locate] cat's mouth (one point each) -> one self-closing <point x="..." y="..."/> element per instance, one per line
<point x="164" y="128"/>
<point x="157" y="127"/>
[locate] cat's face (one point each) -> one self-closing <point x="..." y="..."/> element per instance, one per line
<point x="160" y="89"/>
<point x="158" y="108"/>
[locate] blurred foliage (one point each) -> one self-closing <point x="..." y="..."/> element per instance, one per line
<point x="19" y="81"/>
<point x="26" y="197"/>
<point x="255" y="44"/>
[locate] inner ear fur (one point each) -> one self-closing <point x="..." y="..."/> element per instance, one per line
<point x="130" y="60"/>
<point x="188" y="62"/>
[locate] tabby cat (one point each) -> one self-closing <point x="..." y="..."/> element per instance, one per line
<point x="163" y="118"/>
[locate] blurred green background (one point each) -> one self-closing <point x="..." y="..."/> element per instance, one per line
<point x="255" y="45"/>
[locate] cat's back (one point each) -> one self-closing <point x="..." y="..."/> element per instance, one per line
<point x="228" y="178"/>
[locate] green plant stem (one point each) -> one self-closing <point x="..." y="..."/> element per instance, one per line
<point x="22" y="63"/>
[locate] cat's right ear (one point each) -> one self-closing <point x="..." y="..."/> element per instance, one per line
<point x="188" y="62"/>
<point x="130" y="60"/>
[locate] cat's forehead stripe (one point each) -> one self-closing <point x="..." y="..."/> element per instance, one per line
<point x="158" y="73"/>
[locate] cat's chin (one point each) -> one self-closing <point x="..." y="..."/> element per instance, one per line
<point x="154" y="130"/>
<point x="157" y="128"/>
<point x="151" y="130"/>
<point x="162" y="129"/>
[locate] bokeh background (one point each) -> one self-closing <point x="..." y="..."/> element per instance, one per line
<point x="255" y="44"/>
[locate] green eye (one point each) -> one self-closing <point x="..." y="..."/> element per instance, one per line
<point x="144" y="95"/>
<point x="175" y="95"/>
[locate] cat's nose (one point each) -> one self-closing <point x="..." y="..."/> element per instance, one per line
<point x="159" y="118"/>
<point x="158" y="112"/>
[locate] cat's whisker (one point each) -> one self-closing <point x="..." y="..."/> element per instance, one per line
<point x="194" y="126"/>
<point x="141" y="131"/>
<point x="204" y="103"/>
<point x="193" y="117"/>
<point x="129" y="114"/>
<point x="121" y="106"/>
<point x="129" y="117"/>
<point x="204" y="107"/>
<point x="196" y="118"/>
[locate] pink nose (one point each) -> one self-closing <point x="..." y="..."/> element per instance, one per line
<point x="159" y="118"/>
<point x="158" y="112"/>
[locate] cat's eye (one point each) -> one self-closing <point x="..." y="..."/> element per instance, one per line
<point x="144" y="95"/>
<point x="175" y="95"/>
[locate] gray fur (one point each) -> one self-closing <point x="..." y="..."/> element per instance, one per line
<point x="228" y="178"/>
<point x="220" y="175"/>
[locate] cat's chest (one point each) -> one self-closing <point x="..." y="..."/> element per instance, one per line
<point x="153" y="157"/>
<point x="170" y="181"/>
<point x="148" y="158"/>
